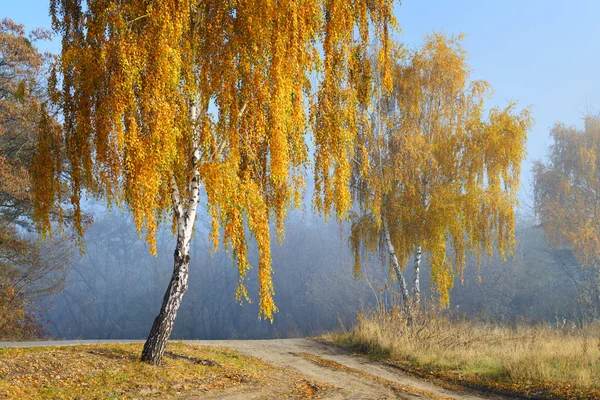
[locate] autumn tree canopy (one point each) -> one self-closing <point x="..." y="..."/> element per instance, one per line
<point x="433" y="173"/>
<point x="567" y="195"/>
<point x="162" y="98"/>
<point x="28" y="270"/>
<point x="21" y="91"/>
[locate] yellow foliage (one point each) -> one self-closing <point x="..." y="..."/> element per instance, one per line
<point x="437" y="170"/>
<point x="567" y="190"/>
<point x="131" y="72"/>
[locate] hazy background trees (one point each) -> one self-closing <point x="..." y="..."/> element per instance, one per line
<point x="567" y="203"/>
<point x="113" y="289"/>
<point x="29" y="271"/>
<point x="529" y="287"/>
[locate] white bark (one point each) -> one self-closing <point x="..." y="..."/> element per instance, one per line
<point x="397" y="270"/>
<point x="416" y="291"/>
<point x="185" y="218"/>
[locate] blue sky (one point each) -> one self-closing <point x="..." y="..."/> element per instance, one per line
<point x="541" y="53"/>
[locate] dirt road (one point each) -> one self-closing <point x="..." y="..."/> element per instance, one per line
<point x="347" y="376"/>
<point x="352" y="377"/>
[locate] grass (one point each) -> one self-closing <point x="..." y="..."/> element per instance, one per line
<point x="529" y="360"/>
<point x="114" y="371"/>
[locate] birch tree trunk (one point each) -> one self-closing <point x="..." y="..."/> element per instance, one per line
<point x="416" y="290"/>
<point x="185" y="218"/>
<point x="398" y="271"/>
<point x="164" y="322"/>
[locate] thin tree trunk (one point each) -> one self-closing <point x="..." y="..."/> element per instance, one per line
<point x="164" y="322"/>
<point x="398" y="271"/>
<point x="416" y="290"/>
<point x="185" y="218"/>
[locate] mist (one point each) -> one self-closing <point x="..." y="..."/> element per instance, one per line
<point x="114" y="289"/>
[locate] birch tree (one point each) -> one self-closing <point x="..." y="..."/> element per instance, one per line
<point x="432" y="173"/>
<point x="567" y="197"/>
<point x="167" y="101"/>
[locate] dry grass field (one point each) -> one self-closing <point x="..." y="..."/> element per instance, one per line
<point x="546" y="361"/>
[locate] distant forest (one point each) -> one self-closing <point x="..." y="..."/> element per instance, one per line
<point x="113" y="290"/>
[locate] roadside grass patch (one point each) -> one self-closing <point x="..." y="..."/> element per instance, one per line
<point x="114" y="371"/>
